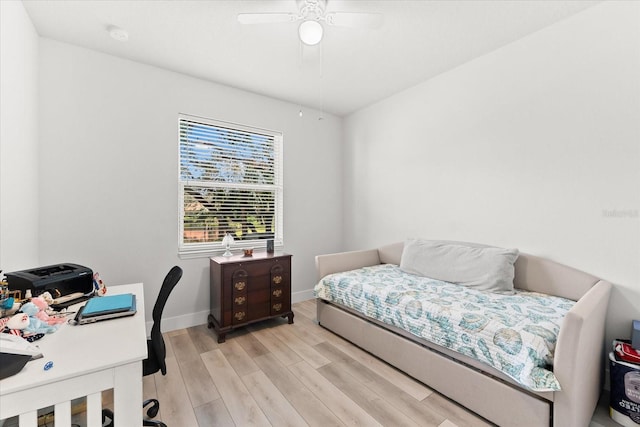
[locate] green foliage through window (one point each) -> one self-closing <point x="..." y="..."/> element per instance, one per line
<point x="230" y="181"/>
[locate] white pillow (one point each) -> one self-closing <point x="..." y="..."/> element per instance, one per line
<point x="484" y="268"/>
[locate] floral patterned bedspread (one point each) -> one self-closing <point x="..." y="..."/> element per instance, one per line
<point x="515" y="334"/>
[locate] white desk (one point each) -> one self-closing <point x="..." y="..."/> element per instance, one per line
<point x="87" y="359"/>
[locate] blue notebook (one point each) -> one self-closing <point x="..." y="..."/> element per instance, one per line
<point x="108" y="307"/>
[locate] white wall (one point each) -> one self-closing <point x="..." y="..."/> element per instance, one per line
<point x="109" y="165"/>
<point x="535" y="146"/>
<point x="18" y="138"/>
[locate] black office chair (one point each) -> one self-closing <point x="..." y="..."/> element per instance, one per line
<point x="156" y="350"/>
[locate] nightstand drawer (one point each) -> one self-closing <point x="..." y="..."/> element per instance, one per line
<point x="239" y="281"/>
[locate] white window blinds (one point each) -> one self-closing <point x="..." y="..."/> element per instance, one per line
<point x="230" y="180"/>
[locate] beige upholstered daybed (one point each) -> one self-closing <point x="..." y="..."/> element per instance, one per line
<point x="577" y="358"/>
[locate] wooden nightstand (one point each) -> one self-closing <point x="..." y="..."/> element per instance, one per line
<point x="245" y="290"/>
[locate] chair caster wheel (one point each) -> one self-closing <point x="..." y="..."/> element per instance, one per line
<point x="152" y="412"/>
<point x="107" y="418"/>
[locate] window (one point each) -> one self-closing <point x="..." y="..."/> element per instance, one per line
<point x="230" y="180"/>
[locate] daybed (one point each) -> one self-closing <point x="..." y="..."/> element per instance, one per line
<point x="577" y="361"/>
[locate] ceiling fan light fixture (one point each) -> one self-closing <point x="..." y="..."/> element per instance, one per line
<point x="310" y="32"/>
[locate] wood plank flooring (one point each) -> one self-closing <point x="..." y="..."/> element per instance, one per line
<point x="276" y="374"/>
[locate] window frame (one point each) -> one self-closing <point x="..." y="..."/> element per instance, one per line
<point x="203" y="249"/>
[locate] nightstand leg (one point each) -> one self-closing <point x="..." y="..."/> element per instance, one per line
<point x="222" y="336"/>
<point x="213" y="324"/>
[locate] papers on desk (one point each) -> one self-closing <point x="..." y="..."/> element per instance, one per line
<point x="15" y="352"/>
<point x="65" y="299"/>
<point x="14" y="344"/>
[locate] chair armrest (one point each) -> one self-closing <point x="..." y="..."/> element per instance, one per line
<point x="345" y="261"/>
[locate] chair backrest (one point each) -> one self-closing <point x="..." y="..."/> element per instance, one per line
<point x="157" y="342"/>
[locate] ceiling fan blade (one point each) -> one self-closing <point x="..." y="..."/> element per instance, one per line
<point x="265" y="18"/>
<point x="355" y="19"/>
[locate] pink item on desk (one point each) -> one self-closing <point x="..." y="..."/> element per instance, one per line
<point x="43" y="315"/>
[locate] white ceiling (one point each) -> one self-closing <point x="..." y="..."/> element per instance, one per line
<point x="350" y="69"/>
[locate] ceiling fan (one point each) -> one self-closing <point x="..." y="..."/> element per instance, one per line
<point x="313" y="13"/>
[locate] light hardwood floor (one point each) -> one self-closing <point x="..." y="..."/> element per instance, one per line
<point x="276" y="374"/>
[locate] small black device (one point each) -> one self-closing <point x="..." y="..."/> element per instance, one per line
<point x="270" y="246"/>
<point x="67" y="283"/>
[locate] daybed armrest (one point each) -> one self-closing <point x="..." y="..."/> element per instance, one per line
<point x="345" y="261"/>
<point x="578" y="359"/>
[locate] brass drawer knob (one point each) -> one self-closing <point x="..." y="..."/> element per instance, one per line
<point x="240" y="285"/>
<point x="277" y="293"/>
<point x="277" y="279"/>
<point x="277" y="307"/>
<point x="239" y="315"/>
<point x="240" y="300"/>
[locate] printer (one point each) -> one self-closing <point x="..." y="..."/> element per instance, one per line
<point x="67" y="283"/>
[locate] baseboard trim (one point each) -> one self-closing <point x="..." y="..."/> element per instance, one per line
<point x="301" y="296"/>
<point x="200" y="318"/>
<point x="181" y="322"/>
